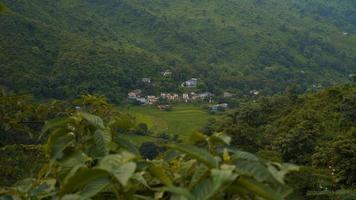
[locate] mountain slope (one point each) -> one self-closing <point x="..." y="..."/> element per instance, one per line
<point x="313" y="130"/>
<point x="59" y="49"/>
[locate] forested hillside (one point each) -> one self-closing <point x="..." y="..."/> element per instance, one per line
<point x="313" y="130"/>
<point x="64" y="48"/>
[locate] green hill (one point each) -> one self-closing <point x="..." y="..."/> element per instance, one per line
<point x="315" y="130"/>
<point x="64" y="48"/>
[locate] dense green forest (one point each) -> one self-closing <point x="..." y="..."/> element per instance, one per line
<point x="65" y="48"/>
<point x="314" y="131"/>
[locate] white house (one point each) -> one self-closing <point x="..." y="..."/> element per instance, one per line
<point x="166" y="73"/>
<point x="205" y="95"/>
<point x="254" y="92"/>
<point x="134" y="94"/>
<point x="152" y="100"/>
<point x="193" y="82"/>
<point x="142" y="100"/>
<point x="185" y="97"/>
<point x="170" y="97"/>
<point x="146" y="80"/>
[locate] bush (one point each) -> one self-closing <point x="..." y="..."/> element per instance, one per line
<point x="19" y="162"/>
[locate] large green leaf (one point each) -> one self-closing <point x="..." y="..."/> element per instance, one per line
<point x="159" y="172"/>
<point x="102" y="138"/>
<point x="94" y="187"/>
<point x="243" y="155"/>
<point x="257" y="188"/>
<point x="126" y="145"/>
<point x="195" y="152"/>
<point x="96" y="179"/>
<point x="70" y="161"/>
<point x="92" y="119"/>
<point x="139" y="177"/>
<point x="186" y="167"/>
<point x="57" y="142"/>
<point x="199" y="173"/>
<point x="209" y="188"/>
<point x="219" y="138"/>
<point x="119" y="166"/>
<point x="55" y="123"/>
<point x="279" y="171"/>
<point x="254" y="169"/>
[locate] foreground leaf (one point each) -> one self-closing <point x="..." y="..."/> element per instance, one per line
<point x="126" y="144"/>
<point x="257" y="188"/>
<point x="178" y="192"/>
<point x="92" y="119"/>
<point x="159" y="172"/>
<point x="57" y="142"/>
<point x="211" y="187"/>
<point x="254" y="169"/>
<point x="119" y="166"/>
<point x="101" y="140"/>
<point x="197" y="153"/>
<point x="96" y="179"/>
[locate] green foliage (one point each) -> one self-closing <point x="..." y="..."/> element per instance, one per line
<point x="86" y="162"/>
<point x="296" y="146"/>
<point x="2" y="7"/>
<point x="19" y="162"/>
<point x="316" y="130"/>
<point x="197" y="153"/>
<point x="22" y="119"/>
<point x="310" y="179"/>
<point x="340" y="157"/>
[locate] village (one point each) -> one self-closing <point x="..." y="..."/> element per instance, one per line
<point x="164" y="100"/>
<point x="168" y="98"/>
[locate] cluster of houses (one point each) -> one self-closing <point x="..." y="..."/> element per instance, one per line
<point x="136" y="95"/>
<point x="188" y="97"/>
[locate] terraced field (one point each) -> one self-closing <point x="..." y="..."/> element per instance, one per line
<point x="182" y="120"/>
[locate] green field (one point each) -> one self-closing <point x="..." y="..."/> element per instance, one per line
<point x="181" y="120"/>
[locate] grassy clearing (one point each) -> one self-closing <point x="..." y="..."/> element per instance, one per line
<point x="182" y="120"/>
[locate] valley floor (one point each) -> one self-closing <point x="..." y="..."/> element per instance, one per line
<point x="181" y="120"/>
